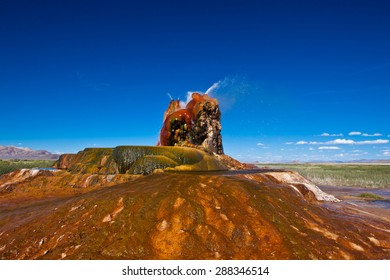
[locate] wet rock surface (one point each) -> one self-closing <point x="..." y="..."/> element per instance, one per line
<point x="145" y="160"/>
<point x="141" y="160"/>
<point x="352" y="196"/>
<point x="198" y="124"/>
<point x="28" y="185"/>
<point x="231" y="215"/>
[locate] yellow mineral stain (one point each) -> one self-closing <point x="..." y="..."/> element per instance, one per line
<point x="356" y="247"/>
<point x="224" y="217"/>
<point x="345" y="255"/>
<point x="179" y="201"/>
<point x="163" y="225"/>
<point x="107" y="218"/>
<point x="374" y="241"/>
<point x="297" y="230"/>
<point x="117" y="210"/>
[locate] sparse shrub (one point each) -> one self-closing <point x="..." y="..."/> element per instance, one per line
<point x="370" y="196"/>
<point x="358" y="175"/>
<point x="7" y="166"/>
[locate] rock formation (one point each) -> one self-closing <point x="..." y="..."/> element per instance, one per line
<point x="194" y="203"/>
<point x="142" y="160"/>
<point x="198" y="124"/>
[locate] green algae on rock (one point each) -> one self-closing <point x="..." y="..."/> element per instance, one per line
<point x="147" y="164"/>
<point x="138" y="160"/>
<point x="144" y="159"/>
<point x="90" y="160"/>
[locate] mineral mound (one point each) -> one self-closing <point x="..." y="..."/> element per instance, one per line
<point x="141" y="160"/>
<point x="184" y="199"/>
<point x="235" y="215"/>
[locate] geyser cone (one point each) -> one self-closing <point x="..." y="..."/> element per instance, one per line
<point x="197" y="125"/>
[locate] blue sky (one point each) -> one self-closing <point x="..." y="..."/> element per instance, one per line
<point x="76" y="74"/>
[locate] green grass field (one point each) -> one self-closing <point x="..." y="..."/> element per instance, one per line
<point x="7" y="166"/>
<point x="359" y="175"/>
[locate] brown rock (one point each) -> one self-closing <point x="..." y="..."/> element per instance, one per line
<point x="190" y="216"/>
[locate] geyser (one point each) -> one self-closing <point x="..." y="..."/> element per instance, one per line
<point x="197" y="125"/>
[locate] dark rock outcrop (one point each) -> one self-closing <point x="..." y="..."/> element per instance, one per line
<point x="198" y="124"/>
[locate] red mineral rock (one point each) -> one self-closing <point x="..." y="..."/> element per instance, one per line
<point x="196" y="125"/>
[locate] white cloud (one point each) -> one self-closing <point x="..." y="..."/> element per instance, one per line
<point x="290" y="143"/>
<point x="325" y="134"/>
<point x="359" y="154"/>
<point x="373" y="142"/>
<point x="329" y="148"/>
<point x="311" y="149"/>
<point x="354" y="133"/>
<point x="371" y="135"/>
<point x="260" y="144"/>
<point x="305" y="143"/>
<point x="357" y="133"/>
<point x="344" y="142"/>
<point x="386" y="153"/>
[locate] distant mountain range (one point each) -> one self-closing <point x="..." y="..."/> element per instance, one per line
<point x="11" y="152"/>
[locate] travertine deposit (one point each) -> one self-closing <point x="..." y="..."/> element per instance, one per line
<point x="184" y="199"/>
<point x="231" y="215"/>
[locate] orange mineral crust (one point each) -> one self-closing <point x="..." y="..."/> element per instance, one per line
<point x="225" y="215"/>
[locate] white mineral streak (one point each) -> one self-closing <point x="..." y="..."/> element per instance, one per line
<point x="19" y="176"/>
<point x="289" y="177"/>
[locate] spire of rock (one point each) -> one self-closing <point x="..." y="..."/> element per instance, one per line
<point x="198" y="124"/>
